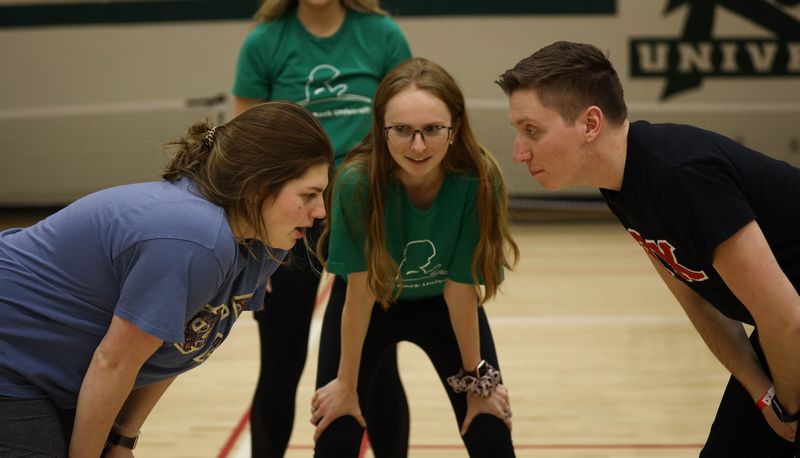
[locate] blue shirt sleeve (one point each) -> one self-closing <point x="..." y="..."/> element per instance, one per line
<point x="163" y="283"/>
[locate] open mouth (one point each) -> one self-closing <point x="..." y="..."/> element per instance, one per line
<point x="420" y="160"/>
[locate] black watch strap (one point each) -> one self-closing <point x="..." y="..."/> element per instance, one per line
<point x="115" y="438"/>
<point x="782" y="413"/>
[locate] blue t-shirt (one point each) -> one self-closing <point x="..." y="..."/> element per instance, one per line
<point x="156" y="254"/>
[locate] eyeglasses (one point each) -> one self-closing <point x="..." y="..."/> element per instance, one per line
<point x="433" y="135"/>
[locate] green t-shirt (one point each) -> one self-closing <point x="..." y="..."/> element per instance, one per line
<point x="430" y="246"/>
<point x="333" y="77"/>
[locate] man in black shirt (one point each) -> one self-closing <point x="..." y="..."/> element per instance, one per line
<point x="720" y="222"/>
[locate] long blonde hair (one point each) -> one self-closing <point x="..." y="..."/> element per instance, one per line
<point x="495" y="249"/>
<point x="273" y="9"/>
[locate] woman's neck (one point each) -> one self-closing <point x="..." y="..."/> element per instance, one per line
<point x="321" y="21"/>
<point x="422" y="191"/>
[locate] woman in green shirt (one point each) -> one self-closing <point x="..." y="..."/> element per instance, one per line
<point x="418" y="224"/>
<point x="328" y="56"/>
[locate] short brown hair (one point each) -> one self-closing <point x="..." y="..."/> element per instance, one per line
<point x="256" y="153"/>
<point x="569" y="77"/>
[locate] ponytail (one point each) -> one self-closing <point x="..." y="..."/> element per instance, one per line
<point x="191" y="152"/>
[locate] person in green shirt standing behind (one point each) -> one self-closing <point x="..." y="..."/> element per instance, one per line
<point x="418" y="223"/>
<point x="328" y="56"/>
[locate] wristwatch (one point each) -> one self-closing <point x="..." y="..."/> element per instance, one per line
<point x="784" y="415"/>
<point x="116" y="438"/>
<point x="479" y="370"/>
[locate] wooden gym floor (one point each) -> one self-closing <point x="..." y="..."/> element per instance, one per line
<point x="598" y="357"/>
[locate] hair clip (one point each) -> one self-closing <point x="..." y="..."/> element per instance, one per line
<point x="210" y="135"/>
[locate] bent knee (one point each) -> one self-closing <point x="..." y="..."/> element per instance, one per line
<point x="341" y="439"/>
<point x="488" y="436"/>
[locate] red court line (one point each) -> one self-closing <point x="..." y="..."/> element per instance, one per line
<point x="226" y="449"/>
<point x="237" y="431"/>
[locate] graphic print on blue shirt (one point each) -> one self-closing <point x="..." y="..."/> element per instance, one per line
<point x="205" y="323"/>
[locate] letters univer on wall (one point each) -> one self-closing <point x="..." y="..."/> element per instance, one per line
<point x="684" y="61"/>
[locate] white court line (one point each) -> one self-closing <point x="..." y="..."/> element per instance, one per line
<point x="244" y="451"/>
<point x="581" y="320"/>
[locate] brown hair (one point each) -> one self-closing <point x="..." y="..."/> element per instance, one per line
<point x="569" y="77"/>
<point x="254" y="154"/>
<point x="273" y="9"/>
<point x="495" y="247"/>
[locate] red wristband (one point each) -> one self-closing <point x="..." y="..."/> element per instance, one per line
<point x="766" y="398"/>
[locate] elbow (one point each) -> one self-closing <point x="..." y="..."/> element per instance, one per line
<point x="105" y="362"/>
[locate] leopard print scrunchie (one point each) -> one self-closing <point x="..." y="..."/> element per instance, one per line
<point x="483" y="386"/>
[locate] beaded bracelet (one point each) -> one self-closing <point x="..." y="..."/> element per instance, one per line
<point x="483" y="385"/>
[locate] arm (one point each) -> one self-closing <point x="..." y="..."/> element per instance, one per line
<point x="107" y="383"/>
<point x="242" y="104"/>
<point x="339" y="397"/>
<point x="462" y="306"/>
<point x="356" y="314"/>
<point x="135" y="411"/>
<point x="748" y="266"/>
<point x="727" y="340"/>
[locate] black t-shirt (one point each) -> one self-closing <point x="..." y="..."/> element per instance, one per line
<point x="685" y="190"/>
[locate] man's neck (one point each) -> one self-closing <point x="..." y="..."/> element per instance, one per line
<point x="613" y="152"/>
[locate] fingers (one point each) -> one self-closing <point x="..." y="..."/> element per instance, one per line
<point x="507" y="414"/>
<point x="360" y="419"/>
<point x="467" y="421"/>
<point x="502" y="392"/>
<point x="323" y="423"/>
<point x="316" y="416"/>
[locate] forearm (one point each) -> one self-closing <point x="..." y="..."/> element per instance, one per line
<point x="103" y="392"/>
<point x="107" y="384"/>
<point x="355" y="322"/>
<point x="747" y="264"/>
<point x="779" y="341"/>
<point x="140" y="403"/>
<point x="726" y="338"/>
<point x="728" y="341"/>
<point x="462" y="306"/>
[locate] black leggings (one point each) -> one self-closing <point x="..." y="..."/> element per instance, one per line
<point x="34" y="427"/>
<point x="739" y="428"/>
<point x="283" y="328"/>
<point x="427" y="324"/>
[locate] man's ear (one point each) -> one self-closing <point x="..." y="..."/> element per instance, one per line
<point x="593" y="121"/>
